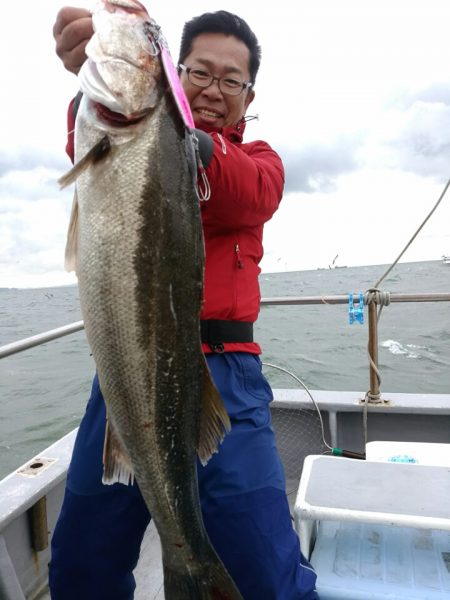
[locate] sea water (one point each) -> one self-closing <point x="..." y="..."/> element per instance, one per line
<point x="43" y="391"/>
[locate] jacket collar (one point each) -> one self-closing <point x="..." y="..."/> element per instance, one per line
<point x="234" y="133"/>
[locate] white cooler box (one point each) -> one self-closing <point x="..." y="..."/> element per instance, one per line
<point x="381" y="529"/>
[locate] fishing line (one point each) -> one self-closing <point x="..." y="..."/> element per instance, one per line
<point x="304" y="386"/>
<point x="333" y="451"/>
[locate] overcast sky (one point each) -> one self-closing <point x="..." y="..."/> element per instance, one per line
<point x="354" y="95"/>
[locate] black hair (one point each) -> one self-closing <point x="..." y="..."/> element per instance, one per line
<point x="222" y="22"/>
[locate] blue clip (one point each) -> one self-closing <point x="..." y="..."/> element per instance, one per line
<point x="355" y="314"/>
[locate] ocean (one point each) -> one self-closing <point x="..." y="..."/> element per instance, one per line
<point x="43" y="391"/>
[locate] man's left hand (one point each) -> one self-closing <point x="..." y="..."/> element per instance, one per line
<point x="72" y="31"/>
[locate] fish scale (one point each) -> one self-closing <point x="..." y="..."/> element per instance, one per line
<point x="135" y="240"/>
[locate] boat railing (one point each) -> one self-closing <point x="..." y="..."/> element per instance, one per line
<point x="40" y="338"/>
<point x="373" y="299"/>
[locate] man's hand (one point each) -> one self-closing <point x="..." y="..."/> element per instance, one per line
<point x="72" y="31"/>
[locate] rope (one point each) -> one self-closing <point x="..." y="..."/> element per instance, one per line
<point x="381" y="299"/>
<point x="378" y="297"/>
<point x="415" y="235"/>
<point x="374" y="295"/>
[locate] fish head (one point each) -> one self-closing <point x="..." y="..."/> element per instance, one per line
<point x="123" y="71"/>
<point x="133" y="6"/>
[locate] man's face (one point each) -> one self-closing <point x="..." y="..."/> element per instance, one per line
<point x="221" y="56"/>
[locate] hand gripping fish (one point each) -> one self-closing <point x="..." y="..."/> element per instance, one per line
<point x="135" y="241"/>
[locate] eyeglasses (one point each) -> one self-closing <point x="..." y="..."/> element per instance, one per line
<point x="227" y="85"/>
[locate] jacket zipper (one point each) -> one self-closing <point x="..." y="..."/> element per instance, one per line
<point x="239" y="261"/>
<point x="236" y="279"/>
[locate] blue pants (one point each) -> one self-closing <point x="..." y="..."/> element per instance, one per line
<point x="96" y="542"/>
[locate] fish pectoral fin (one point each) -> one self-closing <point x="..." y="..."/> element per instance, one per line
<point x="214" y="419"/>
<point x="97" y="153"/>
<point x="116" y="462"/>
<point x="70" y="260"/>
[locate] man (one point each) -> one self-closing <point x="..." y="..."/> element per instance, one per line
<point x="97" y="539"/>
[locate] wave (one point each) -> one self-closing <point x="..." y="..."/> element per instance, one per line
<point x="415" y="351"/>
<point x="397" y="348"/>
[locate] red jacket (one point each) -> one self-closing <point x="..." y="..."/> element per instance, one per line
<point x="246" y="187"/>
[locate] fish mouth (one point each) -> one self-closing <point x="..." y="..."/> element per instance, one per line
<point x="100" y="89"/>
<point x="111" y="63"/>
<point x="118" y="119"/>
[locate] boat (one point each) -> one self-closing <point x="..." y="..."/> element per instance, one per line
<point x="367" y="477"/>
<point x="334" y="265"/>
<point x="446" y="259"/>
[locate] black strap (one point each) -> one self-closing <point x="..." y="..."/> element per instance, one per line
<point x="215" y="331"/>
<point x="76" y="104"/>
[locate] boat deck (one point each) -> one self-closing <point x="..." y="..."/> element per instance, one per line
<point x="401" y="417"/>
<point x="149" y="573"/>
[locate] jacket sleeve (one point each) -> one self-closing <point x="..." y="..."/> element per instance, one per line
<point x="246" y="184"/>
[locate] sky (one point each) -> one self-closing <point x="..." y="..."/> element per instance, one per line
<point x="353" y="94"/>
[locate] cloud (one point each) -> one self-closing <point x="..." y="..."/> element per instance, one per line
<point x="368" y="220"/>
<point x="415" y="139"/>
<point x="34" y="216"/>
<point x="314" y="167"/>
<point x="411" y="134"/>
<point x="26" y="158"/>
<point x="424" y="141"/>
<point x="435" y="92"/>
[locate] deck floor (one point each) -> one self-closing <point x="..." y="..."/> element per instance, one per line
<point x="149" y="573"/>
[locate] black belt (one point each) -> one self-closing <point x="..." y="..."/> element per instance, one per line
<point x="216" y="332"/>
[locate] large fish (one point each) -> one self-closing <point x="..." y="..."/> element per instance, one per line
<point x="135" y="241"/>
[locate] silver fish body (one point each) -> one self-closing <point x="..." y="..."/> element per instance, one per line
<point x="136" y="241"/>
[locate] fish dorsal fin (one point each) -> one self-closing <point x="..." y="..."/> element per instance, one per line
<point x="70" y="261"/>
<point x="214" y="420"/>
<point x="116" y="462"/>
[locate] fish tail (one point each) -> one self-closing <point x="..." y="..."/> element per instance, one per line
<point x="212" y="582"/>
